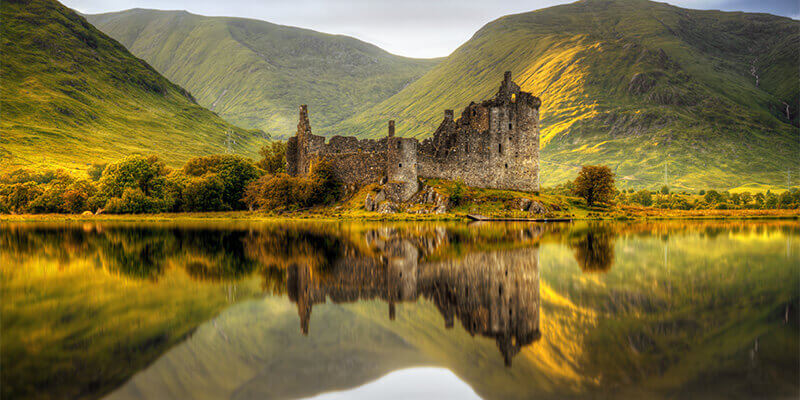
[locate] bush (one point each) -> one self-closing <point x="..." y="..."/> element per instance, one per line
<point x="642" y="197"/>
<point x="274" y="160"/>
<point x="76" y="197"/>
<point x="204" y="194"/>
<point x="133" y="201"/>
<point x="17" y="197"/>
<point x="148" y="174"/>
<point x="234" y="172"/>
<point x="458" y="193"/>
<point x="281" y="191"/>
<point x="96" y="171"/>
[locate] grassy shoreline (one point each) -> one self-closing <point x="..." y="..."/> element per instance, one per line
<point x="325" y="215"/>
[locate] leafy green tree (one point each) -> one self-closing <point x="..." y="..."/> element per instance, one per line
<point x="76" y="196"/>
<point x="759" y="199"/>
<point x="234" y="172"/>
<point x="95" y="171"/>
<point x="595" y="183"/>
<point x="205" y="193"/>
<point x="17" y="197"/>
<point x="137" y="176"/>
<point x="665" y="189"/>
<point x="745" y="198"/>
<point x="643" y="197"/>
<point x="736" y="199"/>
<point x="712" y="197"/>
<point x="274" y="157"/>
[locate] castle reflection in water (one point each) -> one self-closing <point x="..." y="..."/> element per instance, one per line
<point x="493" y="294"/>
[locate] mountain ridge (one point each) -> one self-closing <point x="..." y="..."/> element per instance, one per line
<point x="638" y="85"/>
<point x="254" y="73"/>
<point x="73" y="96"/>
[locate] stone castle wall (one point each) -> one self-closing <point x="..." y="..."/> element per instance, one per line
<point x="494" y="144"/>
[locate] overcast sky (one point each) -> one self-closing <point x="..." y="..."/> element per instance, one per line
<point x="413" y="28"/>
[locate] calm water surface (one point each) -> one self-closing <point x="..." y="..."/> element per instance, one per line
<point x="368" y="310"/>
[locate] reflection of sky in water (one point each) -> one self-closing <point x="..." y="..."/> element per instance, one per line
<point x="412" y="383"/>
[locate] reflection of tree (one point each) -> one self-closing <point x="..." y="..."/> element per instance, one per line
<point x="594" y="250"/>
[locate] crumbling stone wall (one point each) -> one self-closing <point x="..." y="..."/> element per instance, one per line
<point x="355" y="161"/>
<point x="494" y="144"/>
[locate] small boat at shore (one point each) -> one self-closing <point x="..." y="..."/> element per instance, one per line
<point x="477" y="217"/>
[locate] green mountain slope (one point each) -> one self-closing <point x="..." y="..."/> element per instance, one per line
<point x="71" y="95"/>
<point x="255" y="74"/>
<point x="633" y="84"/>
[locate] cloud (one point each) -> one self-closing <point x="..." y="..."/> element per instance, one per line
<point x="414" y="28"/>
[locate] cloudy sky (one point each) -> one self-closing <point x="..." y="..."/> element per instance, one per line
<point x="413" y="28"/>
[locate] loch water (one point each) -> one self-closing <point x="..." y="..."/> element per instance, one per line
<point x="361" y="310"/>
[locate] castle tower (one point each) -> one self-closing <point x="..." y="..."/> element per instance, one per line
<point x="401" y="169"/>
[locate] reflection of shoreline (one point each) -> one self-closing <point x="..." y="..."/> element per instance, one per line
<point x="493" y="294"/>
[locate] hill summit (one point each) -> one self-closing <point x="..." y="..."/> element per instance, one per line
<point x="71" y="96"/>
<point x="707" y="98"/>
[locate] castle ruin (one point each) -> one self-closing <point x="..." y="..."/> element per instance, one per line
<point x="494" y="144"/>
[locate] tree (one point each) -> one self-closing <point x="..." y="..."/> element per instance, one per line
<point x="665" y="189"/>
<point x="234" y="172"/>
<point x="96" y="171"/>
<point x="745" y="198"/>
<point x="712" y="197"/>
<point x="274" y="157"/>
<point x="643" y="197"/>
<point x="595" y="183"/>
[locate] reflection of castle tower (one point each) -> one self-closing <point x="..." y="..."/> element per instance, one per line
<point x="493" y="294"/>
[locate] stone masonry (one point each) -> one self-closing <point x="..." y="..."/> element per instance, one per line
<point x="494" y="144"/>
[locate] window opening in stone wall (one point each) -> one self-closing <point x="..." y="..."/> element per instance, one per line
<point x="500" y="148"/>
<point x="509" y="126"/>
<point x="400" y="165"/>
<point x="398" y="145"/>
<point x="506" y="165"/>
<point x="473" y="112"/>
<point x="467" y="149"/>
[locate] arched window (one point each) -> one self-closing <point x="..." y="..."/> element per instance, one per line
<point x="500" y="148"/>
<point x="509" y="126"/>
<point x="400" y="165"/>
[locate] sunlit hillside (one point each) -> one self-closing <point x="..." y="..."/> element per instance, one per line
<point x="254" y="73"/>
<point x="72" y="96"/>
<point x="640" y="86"/>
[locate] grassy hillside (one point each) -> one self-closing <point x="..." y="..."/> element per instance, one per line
<point x="255" y="74"/>
<point x="633" y="84"/>
<point x="71" y="95"/>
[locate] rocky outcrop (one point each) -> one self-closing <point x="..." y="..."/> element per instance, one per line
<point x="383" y="199"/>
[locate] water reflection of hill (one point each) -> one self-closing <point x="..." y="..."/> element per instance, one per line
<point x="116" y="296"/>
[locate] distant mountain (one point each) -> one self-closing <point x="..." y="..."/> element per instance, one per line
<point x="712" y="97"/>
<point x="71" y="95"/>
<point x="254" y="73"/>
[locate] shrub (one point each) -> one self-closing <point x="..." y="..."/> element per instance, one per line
<point x="274" y="160"/>
<point x="76" y="196"/>
<point x="665" y="189"/>
<point x="595" y="183"/>
<point x="281" y="191"/>
<point x="17" y="197"/>
<point x="458" y="193"/>
<point x="96" y="171"/>
<point x="134" y="172"/>
<point x="642" y="197"/>
<point x="133" y="201"/>
<point x="712" y="197"/>
<point x="234" y="172"/>
<point x="204" y="194"/>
